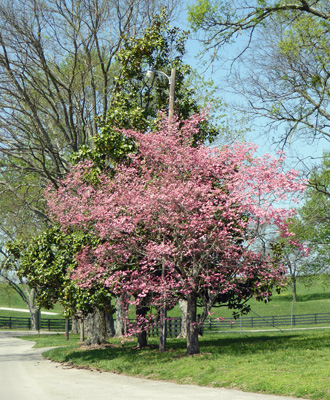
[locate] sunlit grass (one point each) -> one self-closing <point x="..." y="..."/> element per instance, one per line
<point x="292" y="364"/>
<point x="56" y="339"/>
<point x="11" y="299"/>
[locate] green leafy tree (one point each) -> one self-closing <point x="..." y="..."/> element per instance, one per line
<point x="46" y="264"/>
<point x="136" y="102"/>
<point x="286" y="58"/>
<point x="315" y="217"/>
<point x="295" y="255"/>
<point x="57" y="67"/>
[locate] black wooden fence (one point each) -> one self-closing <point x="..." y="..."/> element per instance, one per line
<point x="278" y="321"/>
<point x="174" y="324"/>
<point x="173" y="328"/>
<point x="25" y="323"/>
<point x="245" y="322"/>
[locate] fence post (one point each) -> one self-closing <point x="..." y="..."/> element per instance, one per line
<point x="9" y="322"/>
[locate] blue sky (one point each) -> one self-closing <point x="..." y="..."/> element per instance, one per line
<point x="309" y="152"/>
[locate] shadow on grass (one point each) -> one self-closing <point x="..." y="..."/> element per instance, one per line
<point x="212" y="347"/>
<point x="262" y="343"/>
<point x="303" y="297"/>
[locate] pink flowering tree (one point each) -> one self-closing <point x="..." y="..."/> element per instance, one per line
<point x="178" y="221"/>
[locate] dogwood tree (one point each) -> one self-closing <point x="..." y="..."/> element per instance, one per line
<point x="178" y="221"/>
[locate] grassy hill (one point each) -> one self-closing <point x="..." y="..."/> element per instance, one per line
<point x="314" y="298"/>
<point x="11" y="299"/>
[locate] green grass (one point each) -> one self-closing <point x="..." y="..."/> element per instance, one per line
<point x="11" y="299"/>
<point x="311" y="299"/>
<point x="290" y="364"/>
<point x="57" y="339"/>
<point x="284" y="363"/>
<point x="19" y="314"/>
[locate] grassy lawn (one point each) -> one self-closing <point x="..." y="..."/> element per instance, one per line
<point x="11" y="299"/>
<point x="284" y="363"/>
<point x="312" y="299"/>
<point x="292" y="364"/>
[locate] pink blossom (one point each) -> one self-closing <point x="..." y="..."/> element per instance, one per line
<point x="178" y="219"/>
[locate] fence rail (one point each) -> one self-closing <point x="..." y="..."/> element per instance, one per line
<point x="173" y="325"/>
<point x="268" y="321"/>
<point x="25" y="323"/>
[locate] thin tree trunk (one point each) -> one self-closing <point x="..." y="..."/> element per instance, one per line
<point x="294" y="289"/>
<point x="66" y="328"/>
<point x="30" y="300"/>
<point x="183" y="308"/>
<point x="192" y="324"/>
<point x="121" y="326"/>
<point x="142" y="340"/>
<point x="162" y="328"/>
<point x="82" y="329"/>
<point x="110" y="324"/>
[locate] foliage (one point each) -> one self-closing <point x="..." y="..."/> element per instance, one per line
<point x="223" y="21"/>
<point x="47" y="263"/>
<point x="178" y="221"/>
<point x="315" y="217"/>
<point x="286" y="58"/>
<point x="57" y="68"/>
<point x="293" y="253"/>
<point x="136" y="102"/>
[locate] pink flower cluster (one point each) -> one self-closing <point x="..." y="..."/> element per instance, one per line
<point x="177" y="218"/>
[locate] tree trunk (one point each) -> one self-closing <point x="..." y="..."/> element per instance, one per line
<point x="82" y="329"/>
<point x="34" y="318"/>
<point x="142" y="341"/>
<point x="183" y="308"/>
<point x="162" y="328"/>
<point x="192" y="325"/>
<point x="121" y="326"/>
<point x="30" y="301"/>
<point x="95" y="327"/>
<point x="110" y="324"/>
<point x="294" y="289"/>
<point x="67" y="328"/>
<point x="78" y="325"/>
<point x="75" y="324"/>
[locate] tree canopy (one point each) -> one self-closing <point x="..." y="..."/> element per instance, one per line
<point x="285" y="68"/>
<point x="178" y="221"/>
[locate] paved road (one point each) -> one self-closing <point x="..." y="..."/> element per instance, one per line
<point x="24" y="375"/>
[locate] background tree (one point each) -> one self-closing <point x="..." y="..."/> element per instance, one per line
<point x="295" y="255"/>
<point x="47" y="263"/>
<point x="315" y="218"/>
<point x="285" y="68"/>
<point x="57" y="67"/>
